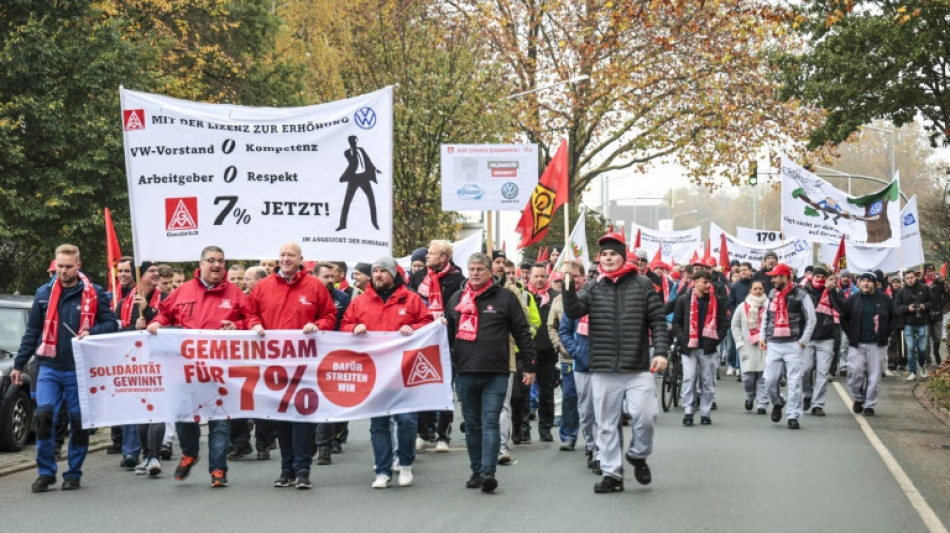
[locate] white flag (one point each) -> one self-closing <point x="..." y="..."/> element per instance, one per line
<point x="577" y="246"/>
<point x="866" y="258"/>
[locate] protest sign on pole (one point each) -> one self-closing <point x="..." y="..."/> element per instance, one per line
<point x="576" y="249"/>
<point x="796" y="253"/>
<point x="814" y="210"/>
<point x="866" y="258"/>
<point x="677" y="246"/>
<point x="759" y="236"/>
<point x="197" y="375"/>
<point x="488" y="177"/>
<point x="241" y="177"/>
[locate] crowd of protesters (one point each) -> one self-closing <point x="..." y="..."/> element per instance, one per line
<point x="601" y="335"/>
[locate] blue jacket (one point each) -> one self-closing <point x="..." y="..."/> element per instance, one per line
<point x="69" y="302"/>
<point x="577" y="345"/>
<point x="341" y="301"/>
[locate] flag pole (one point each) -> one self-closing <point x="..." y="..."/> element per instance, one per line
<point x="489" y="244"/>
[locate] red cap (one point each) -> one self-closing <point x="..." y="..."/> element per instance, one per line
<point x="52" y="266"/>
<point x="675" y="275"/>
<point x="611" y="236"/>
<point x="780" y="269"/>
<point x="557" y="276"/>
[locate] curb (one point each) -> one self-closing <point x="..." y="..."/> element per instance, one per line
<point x="924" y="399"/>
<point x="31" y="464"/>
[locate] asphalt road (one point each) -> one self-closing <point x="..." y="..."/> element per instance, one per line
<point x="742" y="473"/>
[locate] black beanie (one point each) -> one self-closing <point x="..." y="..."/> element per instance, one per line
<point x="615" y="245"/>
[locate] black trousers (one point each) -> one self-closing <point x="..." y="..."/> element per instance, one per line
<point x="545" y="379"/>
<point x="936" y="334"/>
<point x="151" y="437"/>
<point x="265" y="433"/>
<point x="520" y="397"/>
<point x="331" y="432"/>
<point x="436" y="424"/>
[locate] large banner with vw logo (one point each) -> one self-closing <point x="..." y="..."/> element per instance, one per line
<point x="488" y="177"/>
<point x="250" y="178"/>
<point x="865" y="258"/>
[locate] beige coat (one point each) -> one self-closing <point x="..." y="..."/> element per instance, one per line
<point x="751" y="357"/>
<point x="554" y="322"/>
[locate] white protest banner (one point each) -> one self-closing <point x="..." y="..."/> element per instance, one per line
<point x="461" y="251"/>
<point x="795" y="253"/>
<point x="577" y="246"/>
<point x="678" y="246"/>
<point x="759" y="236"/>
<point x="867" y="258"/>
<point x="814" y="210"/>
<point x="196" y="375"/>
<point x="249" y="178"/>
<point x="488" y="177"/>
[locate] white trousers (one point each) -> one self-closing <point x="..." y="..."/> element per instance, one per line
<point x="585" y="411"/>
<point x="753" y="383"/>
<point x="696" y="362"/>
<point x="789" y="355"/>
<point x="614" y="393"/>
<point x="818" y="355"/>
<point x="865" y="359"/>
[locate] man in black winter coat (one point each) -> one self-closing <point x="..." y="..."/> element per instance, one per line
<point x="914" y="302"/>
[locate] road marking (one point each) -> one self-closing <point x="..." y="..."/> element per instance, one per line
<point x="917" y="500"/>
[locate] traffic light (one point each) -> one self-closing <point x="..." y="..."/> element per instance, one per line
<point x="754" y="173"/>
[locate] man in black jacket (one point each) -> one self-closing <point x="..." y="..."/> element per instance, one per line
<point x="540" y="286"/>
<point x="480" y="317"/>
<point x="700" y="324"/>
<point x="623" y="307"/>
<point x="867" y="317"/>
<point x="769" y="260"/>
<point x="436" y="284"/>
<point x="914" y="302"/>
<point x="941" y="297"/>
<point x="820" y="349"/>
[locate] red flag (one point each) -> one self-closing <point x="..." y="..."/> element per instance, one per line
<point x="723" y="253"/>
<point x="841" y="258"/>
<point x="546" y="254"/>
<point x="706" y="251"/>
<point x="636" y="241"/>
<point x="549" y="194"/>
<point x="113" y="253"/>
<point x="695" y="259"/>
<point x="943" y="270"/>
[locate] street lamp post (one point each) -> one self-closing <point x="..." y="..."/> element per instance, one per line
<point x="893" y="143"/>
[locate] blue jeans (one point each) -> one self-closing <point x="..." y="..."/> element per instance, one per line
<point x="482" y="395"/>
<point x="131" y="445"/>
<point x="407" y="424"/>
<point x="52" y="387"/>
<point x="915" y="344"/>
<point x="219" y="439"/>
<point x="296" y="441"/>
<point x="570" y="420"/>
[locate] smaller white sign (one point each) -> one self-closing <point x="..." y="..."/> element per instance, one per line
<point x="488" y="177"/>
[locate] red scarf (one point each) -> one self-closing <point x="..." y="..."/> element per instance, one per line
<point x="541" y="294"/>
<point x="779" y="308"/>
<point x="431" y="288"/>
<point x="664" y="287"/>
<point x="125" y="314"/>
<point x="583" y="326"/>
<point x="616" y="274"/>
<point x="754" y="333"/>
<point x="709" y="325"/>
<point x="87" y="315"/>
<point x="930" y="280"/>
<point x="824" y="302"/>
<point x="468" y="312"/>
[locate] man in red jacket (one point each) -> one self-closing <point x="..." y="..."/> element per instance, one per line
<point x="207" y="301"/>
<point x="291" y="298"/>
<point x="387" y="305"/>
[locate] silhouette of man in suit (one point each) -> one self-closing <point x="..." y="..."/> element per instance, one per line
<point x="360" y="171"/>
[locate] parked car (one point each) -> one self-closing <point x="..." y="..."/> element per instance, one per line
<point x="16" y="403"/>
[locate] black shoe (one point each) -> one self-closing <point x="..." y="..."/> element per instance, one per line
<point x="489" y="483"/>
<point x="817" y="411"/>
<point x="128" y="462"/>
<point x="515" y="437"/>
<point x="285" y="479"/>
<point x="777" y="413"/>
<point x="114" y="449"/>
<point x="544" y="435"/>
<point x="705" y="421"/>
<point x="688" y="420"/>
<point x="71" y="483"/>
<point x="793" y="423"/>
<point x="303" y="481"/>
<point x="760" y="411"/>
<point x="336" y="448"/>
<point x="641" y="472"/>
<point x="748" y="405"/>
<point x="42" y="483"/>
<point x="184" y="466"/>
<point x="590" y="460"/>
<point x="608" y="484"/>
<point x="58" y="452"/>
<point x="238" y="454"/>
<point x="533" y="415"/>
<point x="857" y="408"/>
<point x="714" y="406"/>
<point x="474" y="482"/>
<point x="219" y="478"/>
<point x="263" y="455"/>
<point x="868" y="411"/>
<point x="324" y="458"/>
<point x="526" y="437"/>
<point x="807" y="405"/>
<point x="462" y="426"/>
<point x="568" y="446"/>
<point x="166" y="453"/>
<point x="596" y="468"/>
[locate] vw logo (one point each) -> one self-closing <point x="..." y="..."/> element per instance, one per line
<point x="365" y="117"/>
<point x="509" y="191"/>
<point x="909" y="219"/>
<point x="876" y="208"/>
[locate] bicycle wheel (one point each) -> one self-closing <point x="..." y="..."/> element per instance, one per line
<point x="677" y="383"/>
<point x="666" y="388"/>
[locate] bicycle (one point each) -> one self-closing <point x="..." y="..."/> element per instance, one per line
<point x="672" y="379"/>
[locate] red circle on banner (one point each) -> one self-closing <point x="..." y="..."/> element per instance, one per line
<point x="138" y="344"/>
<point x="219" y="403"/>
<point x="150" y="407"/>
<point x="143" y="400"/>
<point x="133" y="359"/>
<point x="346" y="377"/>
<point x="92" y="390"/>
<point x="222" y="391"/>
<point x="197" y="418"/>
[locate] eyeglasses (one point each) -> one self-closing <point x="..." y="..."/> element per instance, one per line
<point x="214" y="261"/>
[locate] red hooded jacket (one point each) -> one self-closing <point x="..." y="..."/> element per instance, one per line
<point x="403" y="308"/>
<point x="276" y="304"/>
<point x="194" y="306"/>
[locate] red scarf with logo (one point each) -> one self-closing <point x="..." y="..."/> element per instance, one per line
<point x="468" y="312"/>
<point x="754" y="323"/>
<point x="779" y="308"/>
<point x="125" y="314"/>
<point x="824" y="302"/>
<point x="541" y="294"/>
<point x="709" y="325"/>
<point x="87" y="315"/>
<point x="616" y="274"/>
<point x="431" y="288"/>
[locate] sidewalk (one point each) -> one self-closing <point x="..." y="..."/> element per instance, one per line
<point x="25" y="459"/>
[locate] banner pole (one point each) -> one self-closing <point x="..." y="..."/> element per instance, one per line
<point x="489" y="244"/>
<point x="567" y="227"/>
